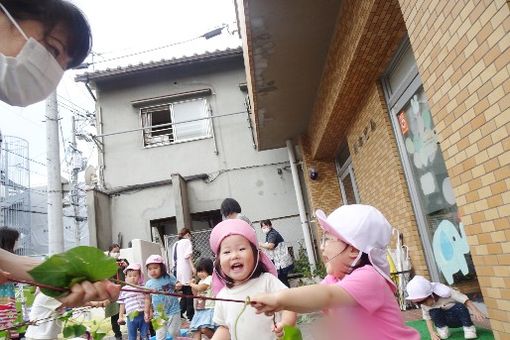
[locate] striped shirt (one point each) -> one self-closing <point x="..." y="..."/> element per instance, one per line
<point x="133" y="301"/>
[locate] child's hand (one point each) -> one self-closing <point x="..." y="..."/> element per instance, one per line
<point x="121" y="320"/>
<point x="434" y="336"/>
<point x="278" y="329"/>
<point x="266" y="303"/>
<point x="477" y="315"/>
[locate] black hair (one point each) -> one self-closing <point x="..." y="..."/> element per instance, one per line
<point x="8" y="237"/>
<point x="259" y="269"/>
<point x="205" y="265"/>
<point x="266" y="222"/>
<point x="52" y="13"/>
<point x="363" y="261"/>
<point x="229" y="206"/>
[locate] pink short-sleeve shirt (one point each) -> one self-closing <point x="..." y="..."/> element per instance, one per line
<point x="376" y="315"/>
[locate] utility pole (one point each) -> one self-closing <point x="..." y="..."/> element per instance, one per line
<point x="55" y="213"/>
<point x="75" y="200"/>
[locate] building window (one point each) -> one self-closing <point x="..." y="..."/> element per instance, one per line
<point x="176" y="122"/>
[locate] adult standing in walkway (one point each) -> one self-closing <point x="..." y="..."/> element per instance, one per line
<point x="184" y="269"/>
<point x="112" y="310"/>
<point x="277" y="251"/>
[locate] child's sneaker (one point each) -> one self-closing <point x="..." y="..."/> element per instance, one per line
<point x="470" y="332"/>
<point x="443" y="332"/>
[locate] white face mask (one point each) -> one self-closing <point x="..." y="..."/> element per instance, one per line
<point x="265" y="230"/>
<point x="17" y="246"/>
<point x="30" y="76"/>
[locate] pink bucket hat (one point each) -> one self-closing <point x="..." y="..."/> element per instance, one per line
<point x="235" y="227"/>
<point x="135" y="266"/>
<point x="365" y="228"/>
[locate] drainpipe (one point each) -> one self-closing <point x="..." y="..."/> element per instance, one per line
<point x="301" y="206"/>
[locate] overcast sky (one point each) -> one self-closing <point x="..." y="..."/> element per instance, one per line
<point x="122" y="27"/>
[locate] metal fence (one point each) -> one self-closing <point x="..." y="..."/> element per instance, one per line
<point x="199" y="240"/>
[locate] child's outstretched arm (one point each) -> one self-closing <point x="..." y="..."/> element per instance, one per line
<point x="221" y="333"/>
<point x="303" y="299"/>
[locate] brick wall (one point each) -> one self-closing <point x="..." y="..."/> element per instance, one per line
<point x="324" y="192"/>
<point x="379" y="173"/>
<point x="462" y="52"/>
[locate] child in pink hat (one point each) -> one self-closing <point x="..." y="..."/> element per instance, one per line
<point x="241" y="270"/>
<point x="357" y="295"/>
<point x="132" y="304"/>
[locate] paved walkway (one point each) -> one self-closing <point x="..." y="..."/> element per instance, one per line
<point x="409" y="315"/>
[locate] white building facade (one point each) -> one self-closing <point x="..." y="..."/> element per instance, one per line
<point x="175" y="139"/>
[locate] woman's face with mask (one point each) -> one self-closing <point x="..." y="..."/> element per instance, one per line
<point x="11" y="40"/>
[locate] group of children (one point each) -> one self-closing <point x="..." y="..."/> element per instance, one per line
<point x="356" y="292"/>
<point x="138" y="309"/>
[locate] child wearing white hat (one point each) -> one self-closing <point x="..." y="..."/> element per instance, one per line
<point x="443" y="307"/>
<point x="357" y="294"/>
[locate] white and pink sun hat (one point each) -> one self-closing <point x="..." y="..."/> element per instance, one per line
<point x="235" y="227"/>
<point x="420" y="288"/>
<point x="365" y="228"/>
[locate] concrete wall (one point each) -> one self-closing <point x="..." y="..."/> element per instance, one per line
<point x="237" y="171"/>
<point x="99" y="219"/>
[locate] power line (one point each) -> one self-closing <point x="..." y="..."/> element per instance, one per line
<point x="146" y="51"/>
<point x="43" y="213"/>
<point x="24" y="157"/>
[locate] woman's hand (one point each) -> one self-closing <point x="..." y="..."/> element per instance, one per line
<point x="84" y="292"/>
<point x="4" y="276"/>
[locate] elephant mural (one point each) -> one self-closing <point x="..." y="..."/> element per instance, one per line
<point x="449" y="248"/>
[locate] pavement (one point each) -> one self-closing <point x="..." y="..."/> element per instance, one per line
<point x="306" y="322"/>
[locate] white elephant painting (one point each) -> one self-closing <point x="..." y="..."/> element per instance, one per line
<point x="449" y="248"/>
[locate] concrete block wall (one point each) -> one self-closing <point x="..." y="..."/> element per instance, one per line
<point x="463" y="55"/>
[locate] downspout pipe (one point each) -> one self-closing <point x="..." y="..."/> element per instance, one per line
<point x="301" y="206"/>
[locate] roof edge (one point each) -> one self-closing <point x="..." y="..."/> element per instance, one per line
<point x="175" y="62"/>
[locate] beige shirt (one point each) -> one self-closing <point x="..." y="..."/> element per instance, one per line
<point x="444" y="303"/>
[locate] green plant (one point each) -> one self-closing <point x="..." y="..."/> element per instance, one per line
<point x="302" y="265"/>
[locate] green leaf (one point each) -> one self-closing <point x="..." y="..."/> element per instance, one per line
<point x="98" y="335"/>
<point x="133" y="314"/>
<point x="74" y="331"/>
<point x="157" y="323"/>
<point x="291" y="333"/>
<point x="74" y="266"/>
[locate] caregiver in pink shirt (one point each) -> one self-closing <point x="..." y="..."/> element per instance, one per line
<point x="357" y="295"/>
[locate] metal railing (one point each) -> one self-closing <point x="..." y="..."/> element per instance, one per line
<point x="199" y="240"/>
